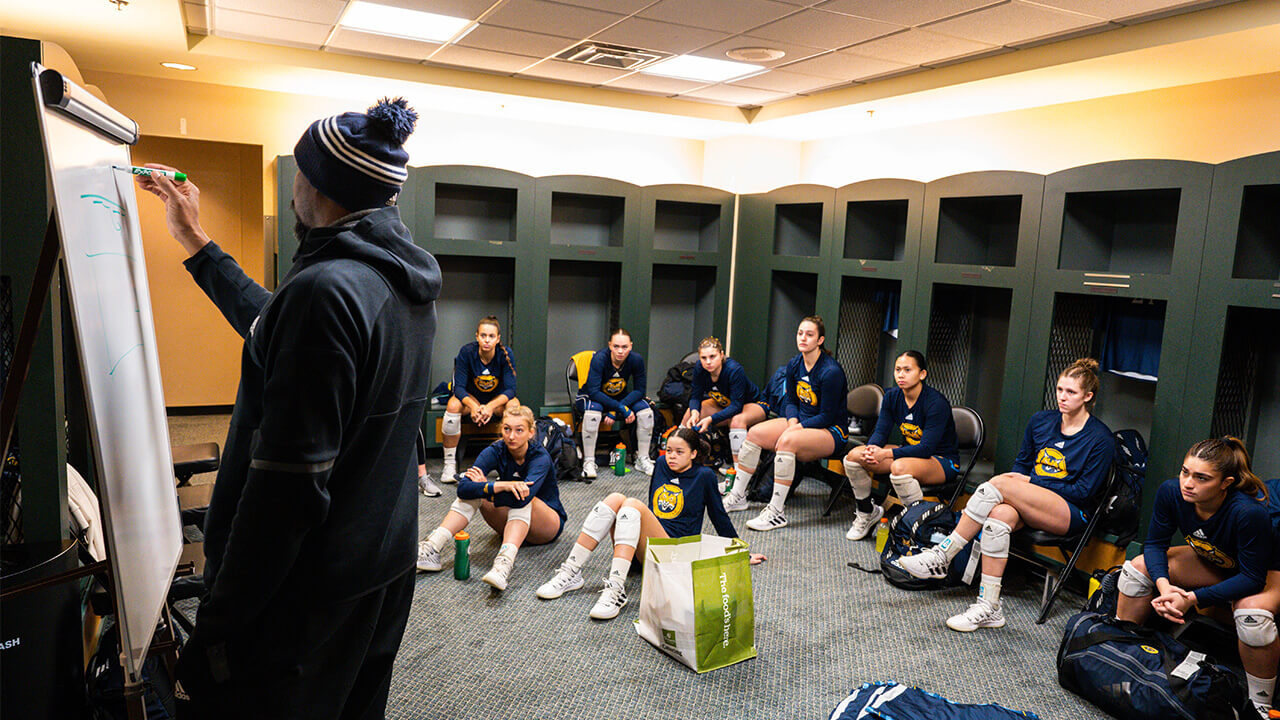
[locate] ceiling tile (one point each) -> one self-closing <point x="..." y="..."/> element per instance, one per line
<point x="730" y="95"/>
<point x="655" y="84"/>
<point x="363" y="43"/>
<point x="317" y="11"/>
<point x="732" y="16"/>
<point x="551" y="18"/>
<point x="793" y="52"/>
<point x="915" y="12"/>
<point x="845" y="66"/>
<point x="1015" y="23"/>
<point x="1125" y="9"/>
<point x="489" y="60"/>
<point x="469" y="9"/>
<point x="626" y="7"/>
<point x="251" y="26"/>
<point x="653" y="35"/>
<point x="488" y="37"/>
<point x="573" y="72"/>
<point x="824" y="29"/>
<point x="919" y="47"/>
<point x="783" y="81"/>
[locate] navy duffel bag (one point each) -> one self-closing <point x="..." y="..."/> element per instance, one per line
<point x="1137" y="673"/>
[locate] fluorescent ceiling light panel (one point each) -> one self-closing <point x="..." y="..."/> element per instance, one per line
<point x="692" y="67"/>
<point x="399" y="22"/>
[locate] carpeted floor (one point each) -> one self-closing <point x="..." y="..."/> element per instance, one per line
<point x="822" y="628"/>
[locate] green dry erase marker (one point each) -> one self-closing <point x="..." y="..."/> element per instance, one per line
<point x="171" y="174"/>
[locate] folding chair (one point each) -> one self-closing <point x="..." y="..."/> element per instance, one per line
<point x="863" y="404"/>
<point x="575" y="376"/>
<point x="971" y="435"/>
<point x="1026" y="538"/>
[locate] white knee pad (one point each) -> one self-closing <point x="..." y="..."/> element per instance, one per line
<point x="1255" y="628"/>
<point x="591" y="420"/>
<point x="980" y="504"/>
<point x="598" y="521"/>
<point x="523" y="514"/>
<point x="737" y="436"/>
<point x="784" y="467"/>
<point x="1133" y="582"/>
<point x="907" y="488"/>
<point x="859" y="478"/>
<point x="749" y="455"/>
<point x="452" y="424"/>
<point x="465" y="508"/>
<point x="644" y="421"/>
<point x="590" y="431"/>
<point x="995" y="538"/>
<point x="627" y="530"/>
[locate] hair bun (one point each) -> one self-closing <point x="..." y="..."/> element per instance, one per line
<point x="1087" y="364"/>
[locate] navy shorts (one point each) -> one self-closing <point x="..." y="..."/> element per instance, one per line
<point x="839" y="435"/>
<point x="1078" y="518"/>
<point x="585" y="403"/>
<point x="949" y="468"/>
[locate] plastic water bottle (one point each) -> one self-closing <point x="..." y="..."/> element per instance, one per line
<point x="882" y="534"/>
<point x="730" y="477"/>
<point x="462" y="555"/>
<point x="619" y="459"/>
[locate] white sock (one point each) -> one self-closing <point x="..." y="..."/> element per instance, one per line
<point x="451" y="456"/>
<point x="989" y="590"/>
<point x="577" y="556"/>
<point x="509" y="550"/>
<point x="952" y="544"/>
<point x="1261" y="689"/>
<point x="779" y="496"/>
<point x="439" y="538"/>
<point x="741" y="481"/>
<point x="618" y="569"/>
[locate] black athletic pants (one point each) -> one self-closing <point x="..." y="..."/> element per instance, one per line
<point x="301" y="661"/>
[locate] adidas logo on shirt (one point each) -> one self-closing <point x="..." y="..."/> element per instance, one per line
<point x="1060" y="444"/>
<point x="486" y="371"/>
<point x="1198" y="533"/>
<point x="908" y="417"/>
<point x="805" y="378"/>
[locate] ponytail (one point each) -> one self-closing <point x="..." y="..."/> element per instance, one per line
<point x="1228" y="456"/>
<point x="696" y="443"/>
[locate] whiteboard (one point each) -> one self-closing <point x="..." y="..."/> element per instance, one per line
<point x="97" y="216"/>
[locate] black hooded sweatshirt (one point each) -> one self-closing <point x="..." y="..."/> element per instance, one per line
<point x="315" y="499"/>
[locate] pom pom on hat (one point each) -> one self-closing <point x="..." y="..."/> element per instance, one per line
<point x="358" y="159"/>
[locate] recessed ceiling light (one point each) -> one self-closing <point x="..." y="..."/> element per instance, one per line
<point x="399" y="22"/>
<point x="692" y="67"/>
<point x="178" y="66"/>
<point x="755" y="54"/>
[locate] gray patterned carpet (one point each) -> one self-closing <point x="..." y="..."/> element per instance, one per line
<point x="822" y="628"/>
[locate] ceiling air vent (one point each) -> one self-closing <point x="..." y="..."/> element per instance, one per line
<point x="611" y="56"/>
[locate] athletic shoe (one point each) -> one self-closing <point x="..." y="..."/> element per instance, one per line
<point x="589" y="469"/>
<point x="449" y="473"/>
<point x="612" y="599"/>
<point x="768" y="519"/>
<point x="565" y="580"/>
<point x="930" y="563"/>
<point x="735" y="503"/>
<point x="979" y="615"/>
<point x="427" y="486"/>
<point x="497" y="575"/>
<point x="864" y="523"/>
<point x="428" y="558"/>
<point x="644" y="465"/>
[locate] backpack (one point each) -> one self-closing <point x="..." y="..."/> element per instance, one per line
<point x="922" y="524"/>
<point x="775" y="392"/>
<point x="1135" y="672"/>
<point x="556" y="437"/>
<point x="1103" y="600"/>
<point x="677" y="386"/>
<point x="1125" y="511"/>
<point x="104" y="678"/>
<point x="661" y="431"/>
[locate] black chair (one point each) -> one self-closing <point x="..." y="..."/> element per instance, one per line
<point x="189" y="460"/>
<point x="971" y="435"/>
<point x="1024" y="540"/>
<point x="863" y="404"/>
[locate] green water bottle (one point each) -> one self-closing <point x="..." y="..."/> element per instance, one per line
<point x="620" y="460"/>
<point x="730" y="478"/>
<point x="882" y="534"/>
<point x="462" y="555"/>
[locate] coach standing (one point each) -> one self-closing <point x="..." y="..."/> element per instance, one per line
<point x="309" y="539"/>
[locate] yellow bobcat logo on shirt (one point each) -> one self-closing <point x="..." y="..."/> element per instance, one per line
<point x="485" y="383"/>
<point x="1209" y="553"/>
<point x="614" y="386"/>
<point x="1051" y="463"/>
<point x="719" y="398"/>
<point x="668" y="501"/>
<point x="805" y="393"/>
<point x="911" y="433"/>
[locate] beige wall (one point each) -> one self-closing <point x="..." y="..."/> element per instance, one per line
<point x="1208" y="122"/>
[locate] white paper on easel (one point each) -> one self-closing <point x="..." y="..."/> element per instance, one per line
<point x="97" y="215"/>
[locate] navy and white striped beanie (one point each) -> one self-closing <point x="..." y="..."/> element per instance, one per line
<point x="358" y="159"/>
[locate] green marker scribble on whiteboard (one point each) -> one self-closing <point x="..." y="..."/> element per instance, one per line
<point x="112" y="371"/>
<point x="110" y="206"/>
